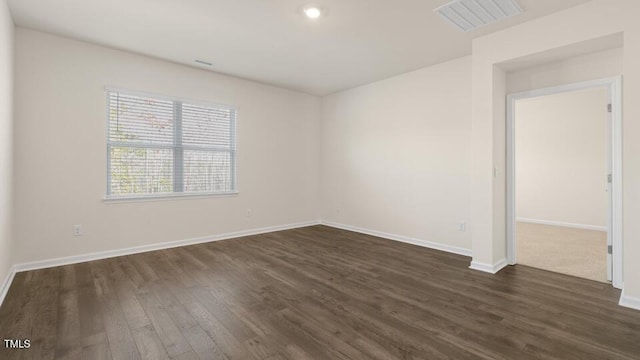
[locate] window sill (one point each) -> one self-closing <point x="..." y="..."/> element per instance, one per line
<point x="165" y="197"/>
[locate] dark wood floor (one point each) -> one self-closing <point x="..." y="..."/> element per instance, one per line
<point x="312" y="293"/>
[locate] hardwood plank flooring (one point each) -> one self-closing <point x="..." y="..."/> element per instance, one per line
<point x="311" y="293"/>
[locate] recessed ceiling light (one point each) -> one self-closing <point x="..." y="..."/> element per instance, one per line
<point x="312" y="12"/>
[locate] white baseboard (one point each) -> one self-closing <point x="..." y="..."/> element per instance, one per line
<point x="404" y="239"/>
<point x="626" y="301"/>
<point x="43" y="264"/>
<point x="152" y="247"/>
<point x="563" y="224"/>
<point x="6" y="284"/>
<point x="629" y="301"/>
<point x="488" y="268"/>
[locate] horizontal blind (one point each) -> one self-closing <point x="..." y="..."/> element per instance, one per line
<point x="207" y="171"/>
<point x="160" y="146"/>
<point x="207" y="138"/>
<point x="138" y="120"/>
<point x="206" y="126"/>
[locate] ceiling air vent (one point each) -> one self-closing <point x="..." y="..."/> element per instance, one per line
<point x="469" y="15"/>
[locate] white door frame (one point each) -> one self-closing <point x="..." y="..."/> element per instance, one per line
<point x="614" y="91"/>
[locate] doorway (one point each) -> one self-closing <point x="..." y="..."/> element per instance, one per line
<point x="564" y="179"/>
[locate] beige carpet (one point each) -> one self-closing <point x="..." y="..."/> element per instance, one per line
<point x="570" y="251"/>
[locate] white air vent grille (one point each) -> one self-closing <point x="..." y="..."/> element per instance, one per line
<point x="469" y="15"/>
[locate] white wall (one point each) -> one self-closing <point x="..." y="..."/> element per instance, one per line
<point x="60" y="151"/>
<point x="597" y="65"/>
<point x="396" y="155"/>
<point x="6" y="135"/>
<point x="591" y="20"/>
<point x="561" y="158"/>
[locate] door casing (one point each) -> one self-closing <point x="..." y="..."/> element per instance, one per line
<point x="614" y="223"/>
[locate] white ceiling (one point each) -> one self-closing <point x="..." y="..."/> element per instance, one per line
<point x="358" y="42"/>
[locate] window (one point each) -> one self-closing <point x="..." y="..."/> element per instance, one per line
<point x="160" y="146"/>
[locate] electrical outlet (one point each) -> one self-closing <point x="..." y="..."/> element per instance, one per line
<point x="77" y="230"/>
<point x="462" y="226"/>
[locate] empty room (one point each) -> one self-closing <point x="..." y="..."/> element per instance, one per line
<point x="329" y="179"/>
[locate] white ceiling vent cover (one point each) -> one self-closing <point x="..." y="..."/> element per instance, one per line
<point x="469" y="15"/>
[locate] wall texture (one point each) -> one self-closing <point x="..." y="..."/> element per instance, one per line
<point x="561" y="158"/>
<point x="6" y="138"/>
<point x="60" y="152"/>
<point x="396" y="156"/>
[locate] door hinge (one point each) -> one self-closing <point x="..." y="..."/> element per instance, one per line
<point x="609" y="108"/>
<point x="609" y="249"/>
<point x="609" y="178"/>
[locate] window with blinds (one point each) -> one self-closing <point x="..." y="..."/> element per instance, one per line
<point x="160" y="146"/>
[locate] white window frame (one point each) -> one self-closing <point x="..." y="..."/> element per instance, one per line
<point x="176" y="146"/>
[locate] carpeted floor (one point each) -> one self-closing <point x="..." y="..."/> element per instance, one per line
<point x="576" y="252"/>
